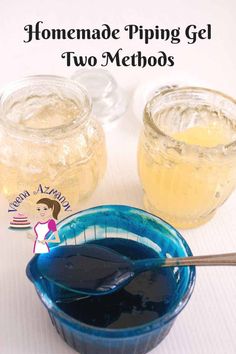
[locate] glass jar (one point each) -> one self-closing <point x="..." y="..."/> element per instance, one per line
<point x="187" y="154"/>
<point x="49" y="141"/>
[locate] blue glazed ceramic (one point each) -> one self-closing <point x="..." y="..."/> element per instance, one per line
<point x="123" y="222"/>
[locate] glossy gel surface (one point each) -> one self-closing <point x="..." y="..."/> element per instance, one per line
<point x="147" y="297"/>
<point x="137" y="318"/>
<point x="87" y="269"/>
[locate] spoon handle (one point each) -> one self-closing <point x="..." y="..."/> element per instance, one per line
<point x="225" y="259"/>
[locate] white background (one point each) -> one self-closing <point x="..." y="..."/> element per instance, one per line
<point x="208" y="323"/>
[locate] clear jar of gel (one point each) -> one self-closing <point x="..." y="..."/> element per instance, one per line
<point x="49" y="138"/>
<point x="187" y="154"/>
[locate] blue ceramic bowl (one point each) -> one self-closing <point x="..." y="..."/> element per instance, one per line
<point x="134" y="224"/>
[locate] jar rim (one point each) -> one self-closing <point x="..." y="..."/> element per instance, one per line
<point x="39" y="80"/>
<point x="181" y="145"/>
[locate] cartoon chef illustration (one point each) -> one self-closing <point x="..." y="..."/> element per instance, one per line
<point x="47" y="212"/>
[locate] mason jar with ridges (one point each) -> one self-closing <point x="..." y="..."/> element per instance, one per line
<point x="187" y="154"/>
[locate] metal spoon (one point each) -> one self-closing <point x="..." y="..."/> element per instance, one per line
<point x="96" y="270"/>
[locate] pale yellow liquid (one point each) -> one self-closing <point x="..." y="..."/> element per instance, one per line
<point x="207" y="136"/>
<point x="185" y="190"/>
<point x="73" y="164"/>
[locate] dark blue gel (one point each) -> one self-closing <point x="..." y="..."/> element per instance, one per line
<point x="86" y="269"/>
<point x="148" y="296"/>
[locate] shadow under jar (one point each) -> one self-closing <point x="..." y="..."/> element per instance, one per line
<point x="187" y="154"/>
<point x="49" y="137"/>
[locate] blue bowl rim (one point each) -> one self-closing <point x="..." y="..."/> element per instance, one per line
<point x="123" y="332"/>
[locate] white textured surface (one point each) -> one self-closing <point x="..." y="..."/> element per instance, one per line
<point x="208" y="323"/>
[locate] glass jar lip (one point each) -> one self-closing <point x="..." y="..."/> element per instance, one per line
<point x="38" y="80"/>
<point x="180" y="145"/>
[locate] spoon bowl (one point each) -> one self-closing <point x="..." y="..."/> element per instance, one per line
<point x="86" y="269"/>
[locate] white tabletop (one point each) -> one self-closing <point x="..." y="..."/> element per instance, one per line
<point x="208" y="323"/>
